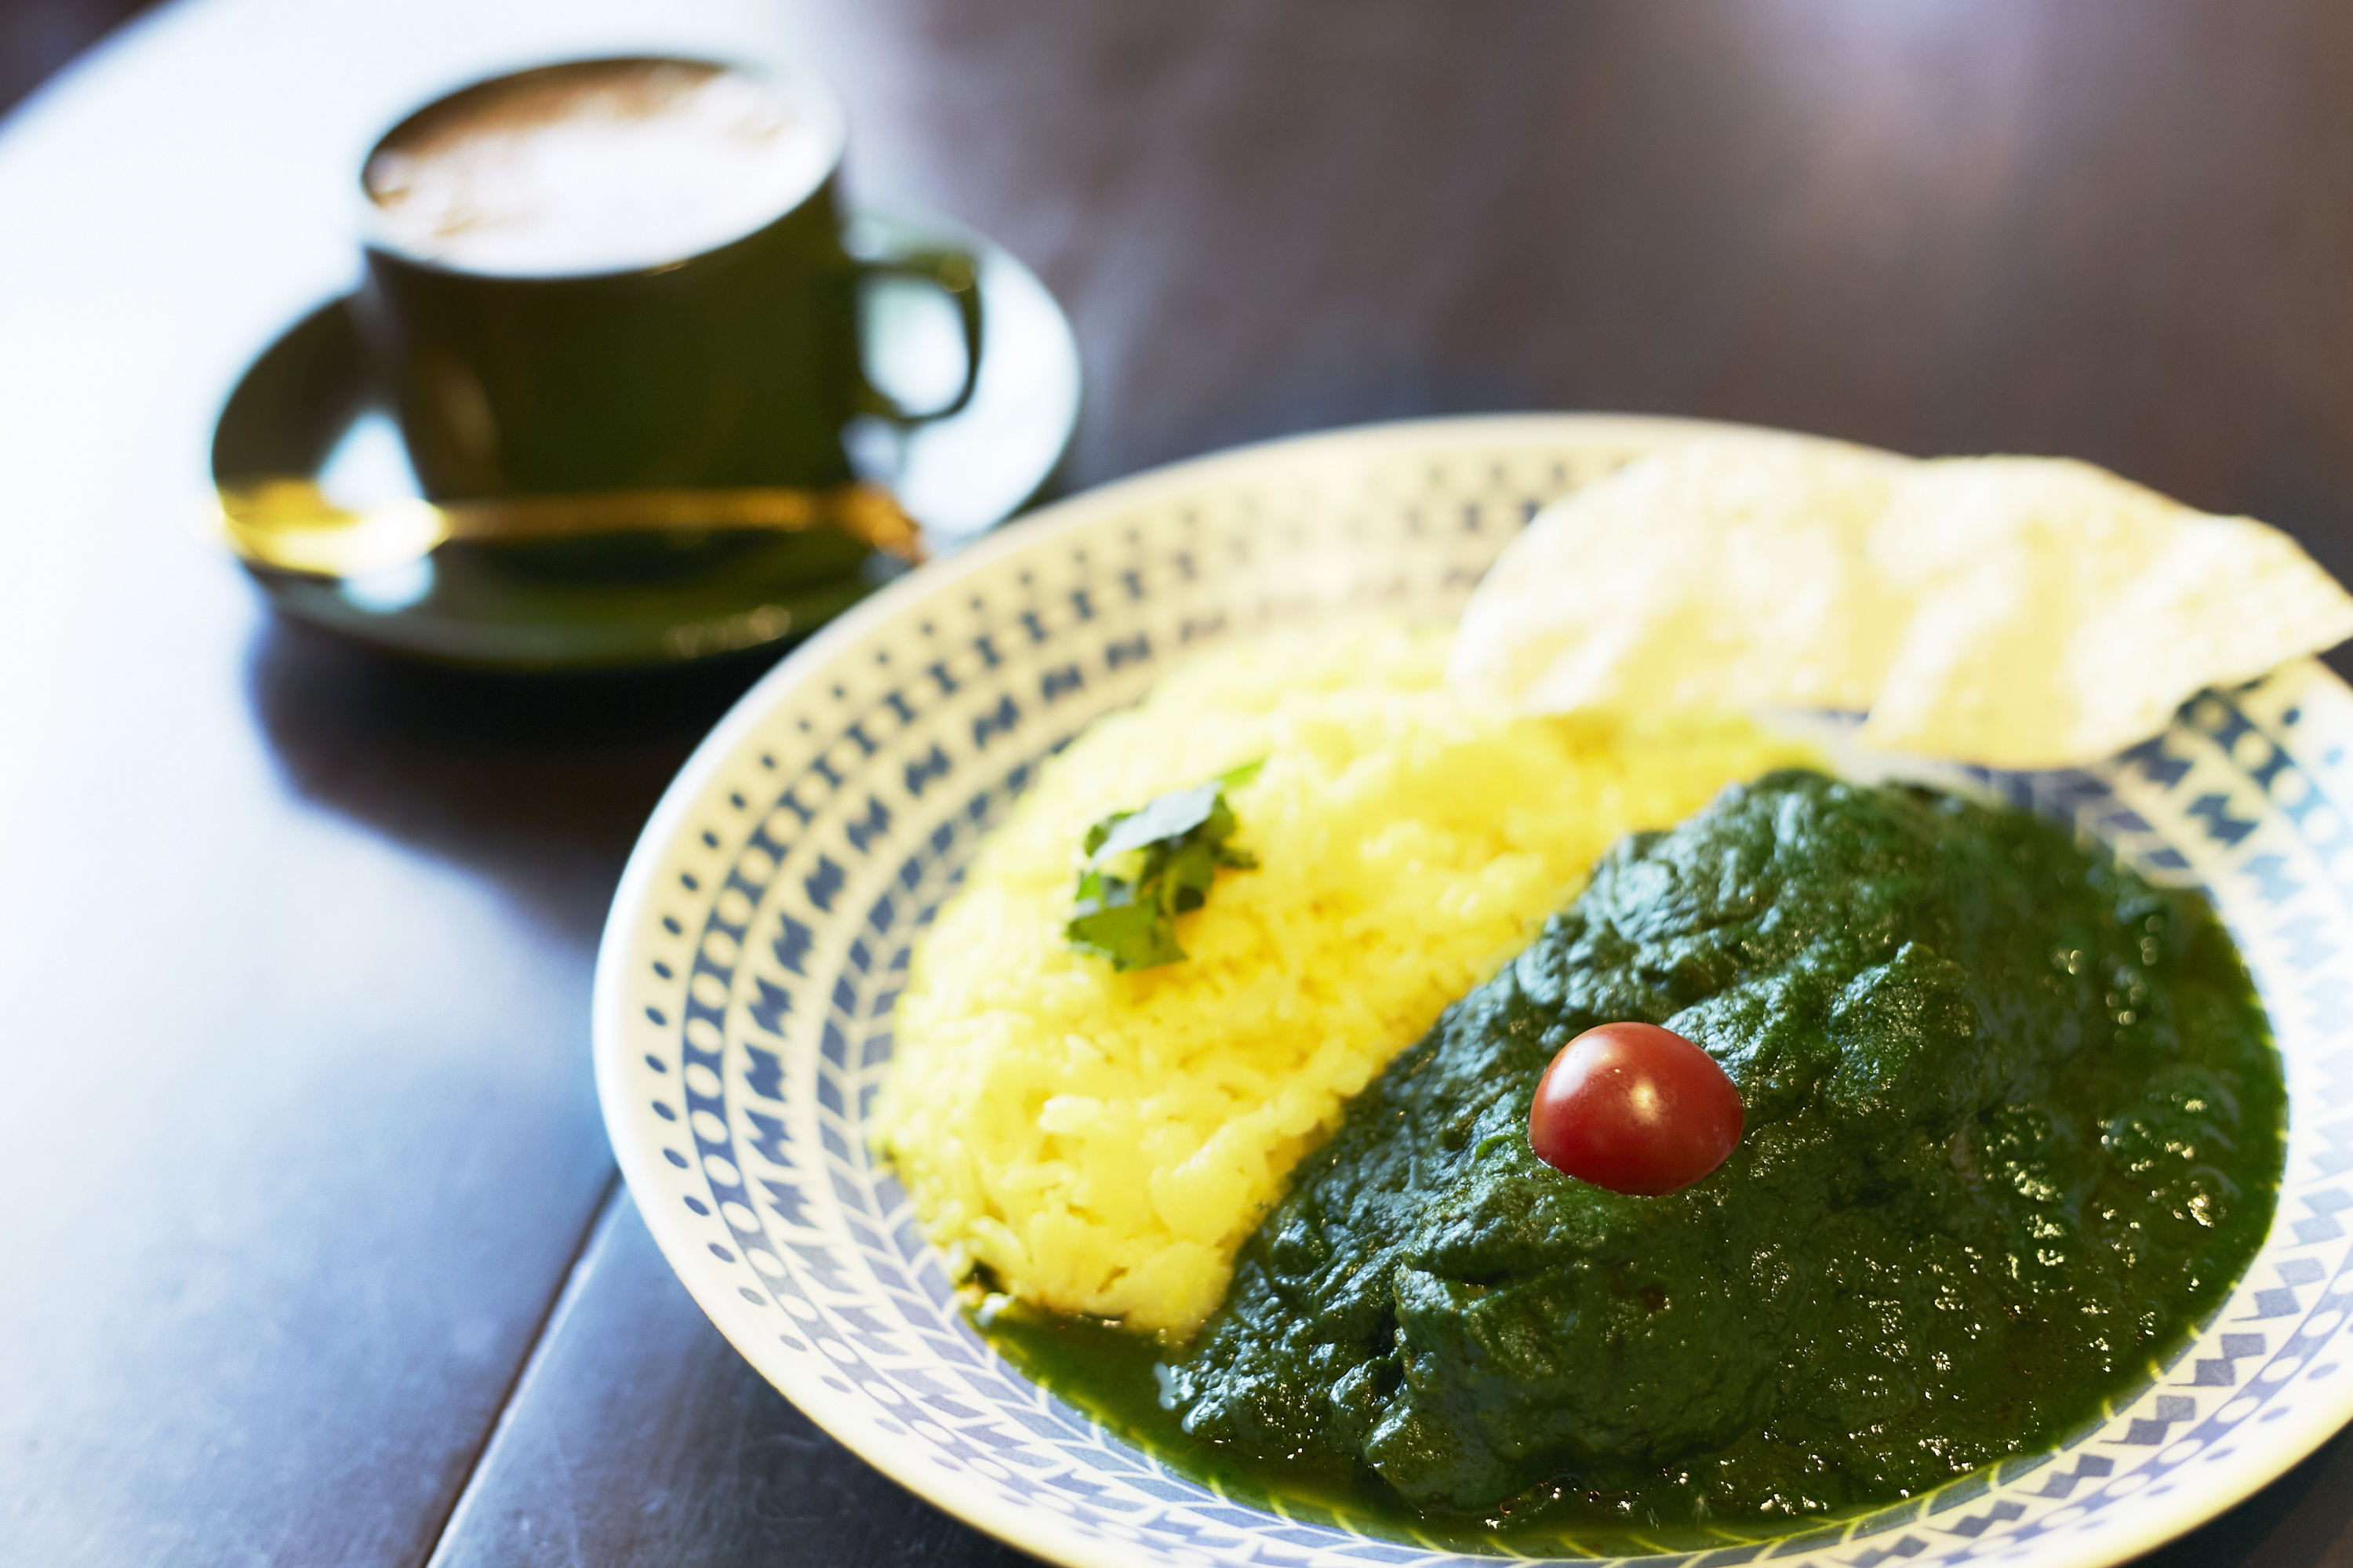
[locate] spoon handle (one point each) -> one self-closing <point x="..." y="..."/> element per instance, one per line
<point x="865" y="512"/>
<point x="289" y="524"/>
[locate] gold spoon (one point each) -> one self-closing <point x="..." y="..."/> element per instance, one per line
<point x="289" y="525"/>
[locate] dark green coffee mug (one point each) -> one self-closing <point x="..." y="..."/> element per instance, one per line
<point x="733" y="365"/>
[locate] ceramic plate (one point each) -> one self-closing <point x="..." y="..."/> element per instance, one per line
<point x="743" y="994"/>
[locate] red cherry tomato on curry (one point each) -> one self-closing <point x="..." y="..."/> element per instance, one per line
<point x="1635" y="1109"/>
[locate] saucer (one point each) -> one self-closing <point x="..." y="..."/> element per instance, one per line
<point x="304" y="407"/>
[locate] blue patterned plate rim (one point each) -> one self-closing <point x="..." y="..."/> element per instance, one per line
<point x="746" y="974"/>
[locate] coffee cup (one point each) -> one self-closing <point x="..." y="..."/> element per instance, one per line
<point x="625" y="274"/>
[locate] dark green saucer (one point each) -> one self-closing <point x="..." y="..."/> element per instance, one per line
<point x="304" y="407"/>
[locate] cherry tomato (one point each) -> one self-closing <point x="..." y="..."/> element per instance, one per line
<point x="1635" y="1109"/>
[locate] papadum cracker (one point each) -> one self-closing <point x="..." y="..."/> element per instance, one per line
<point x="2060" y="614"/>
<point x="2014" y="612"/>
<point x="1641" y="591"/>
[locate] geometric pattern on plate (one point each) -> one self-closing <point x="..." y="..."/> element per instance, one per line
<point x="761" y="933"/>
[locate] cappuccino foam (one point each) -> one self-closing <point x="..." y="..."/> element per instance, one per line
<point x="596" y="167"/>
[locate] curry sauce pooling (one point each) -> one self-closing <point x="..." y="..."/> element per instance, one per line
<point x="2013" y="1128"/>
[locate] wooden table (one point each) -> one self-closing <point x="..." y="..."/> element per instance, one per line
<point x="314" y="1252"/>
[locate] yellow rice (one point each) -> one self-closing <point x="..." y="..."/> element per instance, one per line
<point x="1104" y="1143"/>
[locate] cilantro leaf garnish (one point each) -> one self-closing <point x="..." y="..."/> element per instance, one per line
<point x="1146" y="867"/>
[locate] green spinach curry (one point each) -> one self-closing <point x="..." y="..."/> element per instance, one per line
<point x="2013" y="1128"/>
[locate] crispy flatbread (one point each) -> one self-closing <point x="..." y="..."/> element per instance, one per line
<point x="2010" y="611"/>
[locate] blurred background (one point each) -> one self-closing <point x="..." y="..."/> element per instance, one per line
<point x="36" y="37"/>
<point x="2104" y="229"/>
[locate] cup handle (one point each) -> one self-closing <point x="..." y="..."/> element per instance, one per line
<point x="955" y="273"/>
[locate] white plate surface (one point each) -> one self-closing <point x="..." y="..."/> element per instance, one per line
<point x="761" y="933"/>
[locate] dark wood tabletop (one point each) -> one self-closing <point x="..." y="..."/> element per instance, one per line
<point x="314" y="1251"/>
